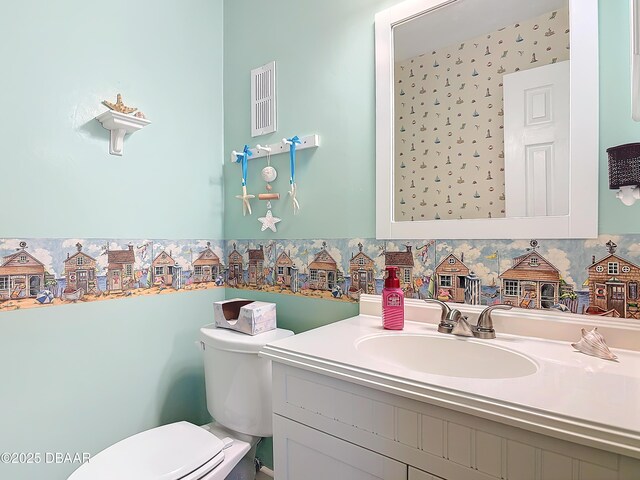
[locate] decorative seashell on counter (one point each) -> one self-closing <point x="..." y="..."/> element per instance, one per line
<point x="139" y="115"/>
<point x="592" y="343"/>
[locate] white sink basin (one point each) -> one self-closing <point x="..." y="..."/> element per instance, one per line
<point x="446" y="355"/>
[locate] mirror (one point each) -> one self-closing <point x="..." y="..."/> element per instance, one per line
<point x="487" y="119"/>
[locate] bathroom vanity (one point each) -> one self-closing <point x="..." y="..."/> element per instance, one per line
<point x="353" y="401"/>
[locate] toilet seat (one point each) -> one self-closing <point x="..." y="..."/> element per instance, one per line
<point x="178" y="451"/>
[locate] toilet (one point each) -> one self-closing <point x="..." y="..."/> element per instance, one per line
<point x="238" y="390"/>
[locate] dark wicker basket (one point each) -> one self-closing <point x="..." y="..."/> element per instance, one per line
<point x="624" y="165"/>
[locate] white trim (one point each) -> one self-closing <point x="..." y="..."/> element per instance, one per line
<point x="582" y="221"/>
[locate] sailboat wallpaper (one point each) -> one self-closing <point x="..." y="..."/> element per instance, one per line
<point x="449" y="115"/>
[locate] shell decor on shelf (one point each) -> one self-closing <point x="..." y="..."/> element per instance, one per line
<point x="592" y="343"/>
<point x="120" y="120"/>
<point x="119" y="106"/>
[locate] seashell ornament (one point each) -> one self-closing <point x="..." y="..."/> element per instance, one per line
<point x="269" y="174"/>
<point x="592" y="343"/>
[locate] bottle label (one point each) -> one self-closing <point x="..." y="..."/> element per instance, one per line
<point x="394" y="300"/>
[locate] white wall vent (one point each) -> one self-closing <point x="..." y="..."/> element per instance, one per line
<point x="263" y="100"/>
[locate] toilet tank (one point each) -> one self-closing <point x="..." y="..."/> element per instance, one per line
<point x="238" y="381"/>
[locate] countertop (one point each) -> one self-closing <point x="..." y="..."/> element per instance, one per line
<point x="572" y="396"/>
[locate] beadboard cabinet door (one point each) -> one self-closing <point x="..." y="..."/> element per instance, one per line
<point x="303" y="453"/>
<point x="337" y="424"/>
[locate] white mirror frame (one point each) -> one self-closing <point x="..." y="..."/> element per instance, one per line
<point x="582" y="221"/>
<point x="635" y="59"/>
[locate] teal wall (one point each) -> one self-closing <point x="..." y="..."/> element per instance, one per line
<point x="79" y="378"/>
<point x="616" y="125"/>
<point x="325" y="60"/>
<point x="61" y="60"/>
<point x="326" y="85"/>
<point x="325" y="73"/>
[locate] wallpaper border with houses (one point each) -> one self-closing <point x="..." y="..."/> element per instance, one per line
<point x="596" y="276"/>
<point x="47" y="272"/>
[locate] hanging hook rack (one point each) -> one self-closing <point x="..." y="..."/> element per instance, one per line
<point x="309" y="141"/>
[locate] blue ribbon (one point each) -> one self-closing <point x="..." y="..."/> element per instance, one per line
<point x="292" y="157"/>
<point x="243" y="157"/>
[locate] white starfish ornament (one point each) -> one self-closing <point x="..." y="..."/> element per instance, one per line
<point x="246" y="206"/>
<point x="269" y="221"/>
<point x="292" y="193"/>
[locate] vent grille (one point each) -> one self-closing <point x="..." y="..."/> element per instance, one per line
<point x="263" y="100"/>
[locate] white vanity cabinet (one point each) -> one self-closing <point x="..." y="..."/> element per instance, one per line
<point x="333" y="428"/>
<point x="307" y="453"/>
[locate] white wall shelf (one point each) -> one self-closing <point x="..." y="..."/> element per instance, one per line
<point x="119" y="125"/>
<point x="309" y="141"/>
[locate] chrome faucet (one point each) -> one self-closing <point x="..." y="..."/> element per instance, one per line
<point x="451" y="320"/>
<point x="484" y="328"/>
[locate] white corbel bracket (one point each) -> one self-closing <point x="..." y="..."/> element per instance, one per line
<point x="119" y="125"/>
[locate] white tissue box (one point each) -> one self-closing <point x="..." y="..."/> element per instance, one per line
<point x="245" y="316"/>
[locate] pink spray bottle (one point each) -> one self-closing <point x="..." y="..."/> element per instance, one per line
<point x="392" y="301"/>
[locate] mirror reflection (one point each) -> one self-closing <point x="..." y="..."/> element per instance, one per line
<point x="481" y="112"/>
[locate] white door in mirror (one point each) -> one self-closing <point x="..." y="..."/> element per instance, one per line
<point x="536" y="137"/>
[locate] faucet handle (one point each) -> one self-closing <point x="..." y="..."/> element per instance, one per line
<point x="484" y="328"/>
<point x="446" y="321"/>
<point x="485" y="320"/>
<point x="446" y="309"/>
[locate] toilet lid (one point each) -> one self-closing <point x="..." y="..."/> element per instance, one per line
<point x="170" y="452"/>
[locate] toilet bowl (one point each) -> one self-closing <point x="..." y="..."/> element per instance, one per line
<point x="238" y="390"/>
